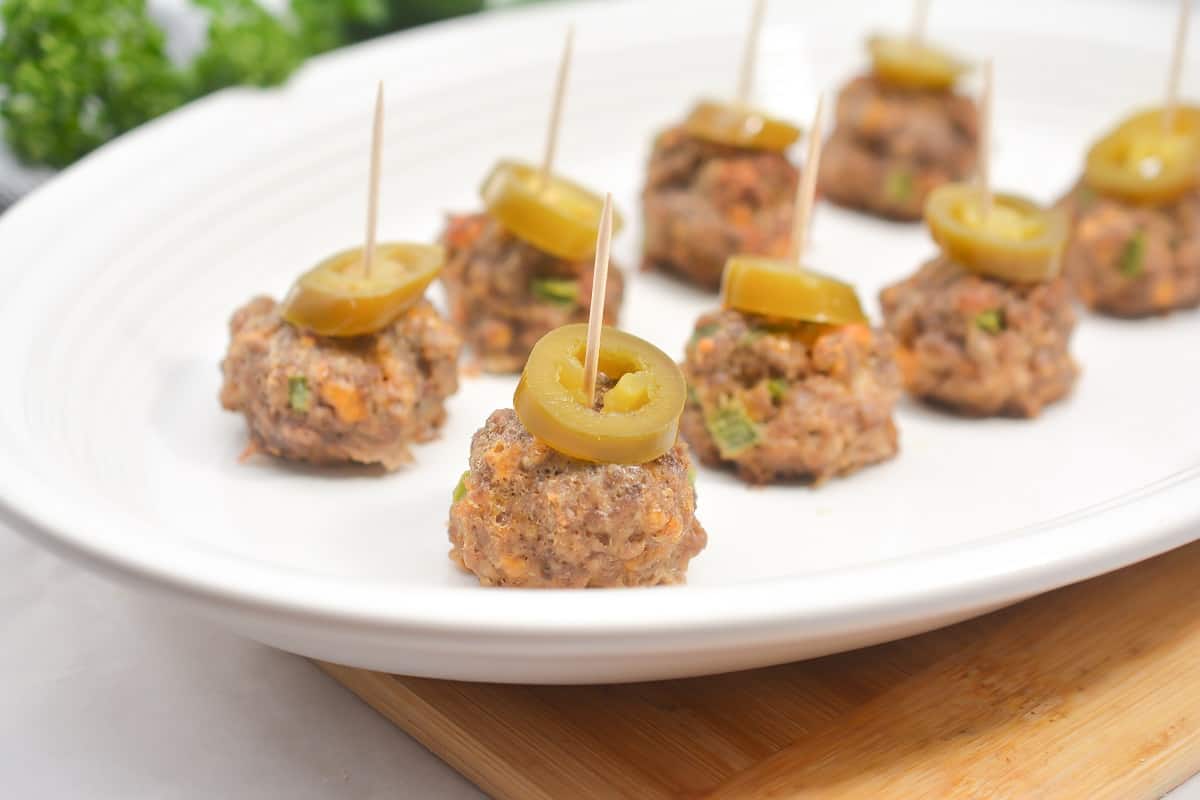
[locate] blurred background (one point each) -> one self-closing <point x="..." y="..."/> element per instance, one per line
<point x="76" y="73"/>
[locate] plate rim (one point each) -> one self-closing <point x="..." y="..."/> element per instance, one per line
<point x="1005" y="568"/>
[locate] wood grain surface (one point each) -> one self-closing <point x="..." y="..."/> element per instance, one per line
<point x="1092" y="691"/>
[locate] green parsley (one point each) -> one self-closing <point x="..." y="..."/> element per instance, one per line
<point x="898" y="186"/>
<point x="76" y="73"/>
<point x="299" y="395"/>
<point x="247" y="45"/>
<point x="325" y="24"/>
<point x="460" y="489"/>
<point x="778" y="388"/>
<point x="991" y="321"/>
<point x="732" y="429"/>
<point x="559" y="291"/>
<point x="1129" y="263"/>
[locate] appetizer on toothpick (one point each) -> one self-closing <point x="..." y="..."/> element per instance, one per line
<point x="584" y="482"/>
<point x="984" y="328"/>
<point x="522" y="267"/>
<point x="788" y="380"/>
<point x="1134" y="246"/>
<point x="720" y="183"/>
<point x="901" y="130"/>
<point x="354" y="365"/>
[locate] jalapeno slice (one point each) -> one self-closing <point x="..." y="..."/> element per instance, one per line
<point x="904" y="62"/>
<point x="1185" y="121"/>
<point x="1144" y="161"/>
<point x="639" y="416"/>
<point x="738" y="126"/>
<point x="780" y="289"/>
<point x="553" y="214"/>
<point x="338" y="298"/>
<point x="1018" y="241"/>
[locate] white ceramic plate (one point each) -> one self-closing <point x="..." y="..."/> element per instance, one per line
<point x="119" y="276"/>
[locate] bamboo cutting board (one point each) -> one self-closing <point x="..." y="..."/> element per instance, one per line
<point x="1092" y="691"/>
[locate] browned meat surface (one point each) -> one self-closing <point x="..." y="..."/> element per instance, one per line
<point x="706" y="202"/>
<point x="505" y="294"/>
<point x="979" y="346"/>
<point x="329" y="401"/>
<point x="530" y="516"/>
<point x="779" y="401"/>
<point x="1134" y="261"/>
<point x="891" y="147"/>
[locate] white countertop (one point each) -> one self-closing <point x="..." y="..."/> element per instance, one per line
<point x="105" y="695"/>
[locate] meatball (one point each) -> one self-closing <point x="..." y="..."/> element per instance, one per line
<point x="892" y="146"/>
<point x="705" y="202"/>
<point x="505" y="294"/>
<point x="1134" y="261"/>
<point x="980" y="346"/>
<point x="526" y="515"/>
<point x="778" y="401"/>
<point x="329" y="401"/>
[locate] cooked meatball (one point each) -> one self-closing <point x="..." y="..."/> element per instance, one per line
<point x="979" y="346"/>
<point x="779" y="401"/>
<point x="891" y="147"/>
<point x="505" y="294"/>
<point x="526" y="515"/>
<point x="329" y="401"/>
<point x="1134" y="261"/>
<point x="705" y="202"/>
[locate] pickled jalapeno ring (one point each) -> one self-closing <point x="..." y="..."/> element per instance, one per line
<point x="1143" y="162"/>
<point x="638" y="419"/>
<point x="736" y="126"/>
<point x="1018" y="241"/>
<point x="775" y="288"/>
<point x="339" y="298"/>
<point x="903" y="62"/>
<point x="552" y="214"/>
<point x="1185" y="121"/>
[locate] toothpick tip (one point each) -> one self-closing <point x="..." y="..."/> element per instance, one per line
<point x="556" y="104"/>
<point x="373" y="180"/>
<point x="745" y="84"/>
<point x="806" y="190"/>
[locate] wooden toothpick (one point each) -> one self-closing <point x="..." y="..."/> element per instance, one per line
<point x="560" y="92"/>
<point x="920" y="16"/>
<point x="373" y="182"/>
<point x="1181" y="30"/>
<point x="750" y="54"/>
<point x="985" y="141"/>
<point x="591" y="359"/>
<point x="806" y="193"/>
